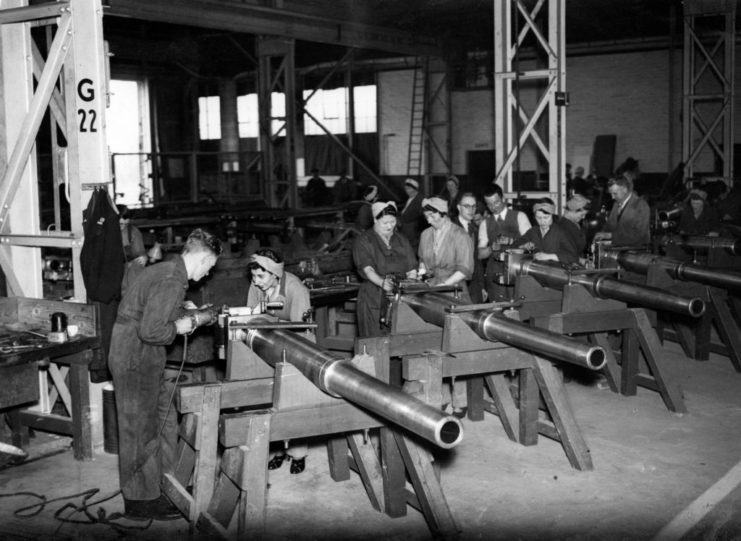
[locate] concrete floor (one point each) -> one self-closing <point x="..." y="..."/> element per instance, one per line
<point x="649" y="465"/>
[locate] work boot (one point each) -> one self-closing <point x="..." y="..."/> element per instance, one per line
<point x="298" y="464"/>
<point x="158" y="509"/>
<point x="277" y="461"/>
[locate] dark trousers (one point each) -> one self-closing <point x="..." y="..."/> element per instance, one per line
<point x="147" y="428"/>
<point x="495" y="291"/>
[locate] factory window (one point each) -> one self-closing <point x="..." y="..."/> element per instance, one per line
<point x="209" y="117"/>
<point x="328" y="106"/>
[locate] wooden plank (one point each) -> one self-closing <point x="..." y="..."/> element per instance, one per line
<point x="529" y="405"/>
<point x="409" y="344"/>
<point x="649" y="341"/>
<point x="585" y="322"/>
<point x="204" y="474"/>
<point x="485" y="361"/>
<point x="79" y="389"/>
<point x="394" y="475"/>
<point x="339" y="468"/>
<point x="427" y="489"/>
<point x="611" y="370"/>
<point x="629" y="362"/>
<point x="301" y="423"/>
<point x="20" y="385"/>
<point x="728" y="329"/>
<point x="36" y="313"/>
<point x="557" y="405"/>
<point x="475" y="394"/>
<point x="49" y="422"/>
<point x="252" y="508"/>
<point x="177" y="493"/>
<point x="505" y="405"/>
<point x="369" y="469"/>
<point x="234" y="394"/>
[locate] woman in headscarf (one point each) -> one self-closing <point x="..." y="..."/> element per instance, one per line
<point x="380" y="255"/>
<point x="445" y="249"/>
<point x="549" y="241"/>
<point x="698" y="218"/>
<point x="270" y="283"/>
<point x="446" y="258"/>
<point x="364" y="219"/>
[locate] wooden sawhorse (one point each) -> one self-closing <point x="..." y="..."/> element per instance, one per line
<point x="430" y="354"/>
<point x="576" y="312"/>
<point x="232" y="503"/>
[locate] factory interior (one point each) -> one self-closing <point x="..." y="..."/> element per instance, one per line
<point x="370" y="269"/>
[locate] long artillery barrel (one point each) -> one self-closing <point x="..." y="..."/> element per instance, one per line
<point x="340" y="378"/>
<point x="678" y="270"/>
<point x="610" y="288"/>
<point x="704" y="243"/>
<point x="496" y="327"/>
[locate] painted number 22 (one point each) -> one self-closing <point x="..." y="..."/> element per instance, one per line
<point x="87" y="120"/>
<point x="86" y="92"/>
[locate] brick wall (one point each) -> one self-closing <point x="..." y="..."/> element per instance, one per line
<point x="623" y="94"/>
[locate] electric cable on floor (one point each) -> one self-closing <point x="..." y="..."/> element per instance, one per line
<point x="65" y="513"/>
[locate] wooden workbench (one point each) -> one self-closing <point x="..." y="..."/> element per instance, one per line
<point x="47" y="387"/>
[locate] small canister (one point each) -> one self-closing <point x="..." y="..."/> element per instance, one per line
<point x="58" y="322"/>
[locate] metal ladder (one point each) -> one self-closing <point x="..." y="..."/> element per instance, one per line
<point x="418" y="118"/>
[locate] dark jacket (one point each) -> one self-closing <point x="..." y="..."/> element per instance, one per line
<point x="102" y="257"/>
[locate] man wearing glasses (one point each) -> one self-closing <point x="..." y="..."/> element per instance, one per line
<point x="469" y="219"/>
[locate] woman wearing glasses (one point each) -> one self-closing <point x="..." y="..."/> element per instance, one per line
<point x="380" y="255"/>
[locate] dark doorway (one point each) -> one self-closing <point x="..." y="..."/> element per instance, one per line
<point x="481" y="170"/>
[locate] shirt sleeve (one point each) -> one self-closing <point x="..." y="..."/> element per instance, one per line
<point x="464" y="254"/>
<point x="523" y="223"/>
<point x="483" y="235"/>
<point x="298" y="295"/>
<point x="362" y="255"/>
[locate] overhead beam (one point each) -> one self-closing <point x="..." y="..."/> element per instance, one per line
<point x="252" y="19"/>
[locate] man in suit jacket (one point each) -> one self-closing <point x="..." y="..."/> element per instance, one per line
<point x="629" y="219"/>
<point x="467" y="211"/>
<point x="411" y="219"/>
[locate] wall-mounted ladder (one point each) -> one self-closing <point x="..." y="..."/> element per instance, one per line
<point x="418" y="118"/>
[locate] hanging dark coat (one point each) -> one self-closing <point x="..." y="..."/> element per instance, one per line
<point x="102" y="257"/>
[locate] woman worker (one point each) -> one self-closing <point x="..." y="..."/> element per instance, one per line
<point x="445" y="249"/>
<point x="270" y="283"/>
<point x="380" y="254"/>
<point x="446" y="258"/>
<point x="699" y="218"/>
<point x="550" y="241"/>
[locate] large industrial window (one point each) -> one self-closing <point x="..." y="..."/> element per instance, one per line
<point x="209" y="117"/>
<point x="329" y="107"/>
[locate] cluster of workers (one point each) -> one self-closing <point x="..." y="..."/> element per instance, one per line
<point x="465" y="239"/>
<point x="460" y="246"/>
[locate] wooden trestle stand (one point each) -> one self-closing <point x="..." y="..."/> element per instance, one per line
<point x="695" y="337"/>
<point x="430" y="354"/>
<point x="228" y="498"/>
<point x="575" y="311"/>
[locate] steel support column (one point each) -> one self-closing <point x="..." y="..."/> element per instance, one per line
<point x="276" y="73"/>
<point x="76" y="53"/>
<point x="709" y="53"/>
<point x="517" y="129"/>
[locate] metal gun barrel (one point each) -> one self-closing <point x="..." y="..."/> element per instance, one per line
<point x="678" y="270"/>
<point x="497" y="327"/>
<point x="340" y="378"/>
<point x="611" y="288"/>
<point x="730" y="244"/>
